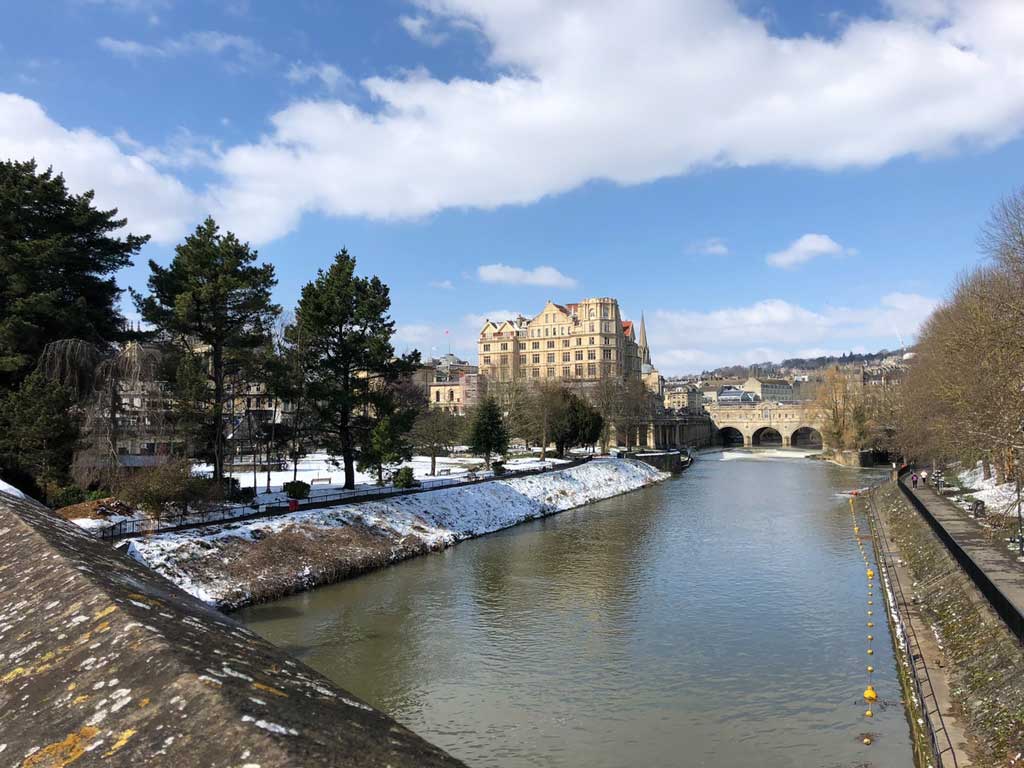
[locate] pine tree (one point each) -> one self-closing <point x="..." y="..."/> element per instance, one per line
<point x="348" y="358"/>
<point x="213" y="300"/>
<point x="38" y="431"/>
<point x="488" y="435"/>
<point x="57" y="260"/>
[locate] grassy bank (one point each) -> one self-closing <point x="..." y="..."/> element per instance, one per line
<point x="987" y="674"/>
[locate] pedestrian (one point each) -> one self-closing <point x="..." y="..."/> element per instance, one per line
<point x="913" y="480"/>
<point x="924" y="477"/>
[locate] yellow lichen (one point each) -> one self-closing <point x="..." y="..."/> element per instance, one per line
<point x="80" y="698"/>
<point x="63" y="752"/>
<point x="122" y="739"/>
<point x="144" y="703"/>
<point x="269" y="689"/>
<point x="72" y="686"/>
<point x="105" y="612"/>
<point x="14" y="674"/>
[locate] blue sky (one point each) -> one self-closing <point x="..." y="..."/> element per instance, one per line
<point x="761" y="179"/>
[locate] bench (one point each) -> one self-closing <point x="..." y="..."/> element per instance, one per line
<point x="316" y="480"/>
<point x="444" y="472"/>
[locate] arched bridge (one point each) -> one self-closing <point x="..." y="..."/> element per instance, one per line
<point x="766" y="424"/>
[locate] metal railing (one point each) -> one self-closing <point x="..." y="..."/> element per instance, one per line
<point x="1000" y="603"/>
<point x="935" y="726"/>
<point x="230" y="513"/>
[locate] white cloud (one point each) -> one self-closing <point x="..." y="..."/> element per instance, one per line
<point x="632" y="92"/>
<point x="183" y="150"/>
<point x="153" y="202"/>
<point x="444" y="285"/>
<point x="331" y="76"/>
<point x="546" y="276"/>
<point x="423" y="29"/>
<point x="805" y="248"/>
<point x="773" y="329"/>
<point x="243" y="50"/>
<point x="461" y="336"/>
<point x="713" y="246"/>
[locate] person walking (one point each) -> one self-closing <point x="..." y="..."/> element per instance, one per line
<point x="913" y="480"/>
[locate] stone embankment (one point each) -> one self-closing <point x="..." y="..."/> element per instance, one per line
<point x="981" y="658"/>
<point x="236" y="564"/>
<point x="102" y="662"/>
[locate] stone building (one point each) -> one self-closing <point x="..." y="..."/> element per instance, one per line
<point x="459" y="394"/>
<point x="770" y="390"/>
<point x="583" y="342"/>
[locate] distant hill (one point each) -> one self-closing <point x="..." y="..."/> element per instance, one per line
<point x="769" y="368"/>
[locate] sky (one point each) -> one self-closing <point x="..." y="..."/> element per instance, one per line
<point x="760" y="178"/>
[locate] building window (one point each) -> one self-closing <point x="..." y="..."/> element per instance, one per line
<point x="579" y="371"/>
<point x="551" y="357"/>
<point x="504" y="346"/>
<point x="579" y="341"/>
<point x="565" y="371"/>
<point x="566" y="357"/>
<point x="551" y="344"/>
<point x="604" y="312"/>
<point x="565" y="342"/>
<point x="591" y="330"/>
<point x="437" y="396"/>
<point x="487" y="359"/>
<point x="504" y="359"/>
<point x="487" y="347"/>
<point x="579" y="354"/>
<point x="592" y="370"/>
<point x="522" y="359"/>
<point x="551" y="373"/>
<point x="536" y="359"/>
<point x="536" y="373"/>
<point x="534" y="345"/>
<point x="607" y="354"/>
<point x="591" y="354"/>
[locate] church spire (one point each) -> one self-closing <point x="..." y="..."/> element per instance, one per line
<point x="645" y="351"/>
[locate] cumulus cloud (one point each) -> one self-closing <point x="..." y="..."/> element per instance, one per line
<point x="546" y="276"/>
<point x="713" y="246"/>
<point x="632" y="92"/>
<point x="774" y="329"/>
<point x="153" y="202"/>
<point x="444" y="285"/>
<point x="331" y="76"/>
<point x="805" y="248"/>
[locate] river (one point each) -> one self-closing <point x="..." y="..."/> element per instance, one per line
<point x="717" y="619"/>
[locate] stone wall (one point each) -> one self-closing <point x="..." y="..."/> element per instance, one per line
<point x="103" y="662"/>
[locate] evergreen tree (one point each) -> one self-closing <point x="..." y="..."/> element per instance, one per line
<point x="57" y="260"/>
<point x="348" y="358"/>
<point x="38" y="432"/>
<point x="213" y="300"/>
<point x="488" y="435"/>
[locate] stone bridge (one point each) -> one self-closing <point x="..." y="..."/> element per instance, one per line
<point x="767" y="424"/>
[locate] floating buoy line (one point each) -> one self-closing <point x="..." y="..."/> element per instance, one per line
<point x="869" y="695"/>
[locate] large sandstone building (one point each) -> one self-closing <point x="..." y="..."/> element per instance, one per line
<point x="572" y="343"/>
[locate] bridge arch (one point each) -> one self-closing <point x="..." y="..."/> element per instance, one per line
<point x="730" y="436"/>
<point x="805" y="437"/>
<point x="766" y="437"/>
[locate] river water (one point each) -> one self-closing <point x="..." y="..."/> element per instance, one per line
<point x="717" y="619"/>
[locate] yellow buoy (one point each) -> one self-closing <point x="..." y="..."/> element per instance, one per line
<point x="871" y="602"/>
<point x="871" y="624"/>
<point x="869" y="694"/>
<point x="870" y="638"/>
<point x="871" y="613"/>
<point x="871" y="574"/>
<point x="870" y="669"/>
<point x="870" y="652"/>
<point x="869" y="713"/>
<point x="867" y="741"/>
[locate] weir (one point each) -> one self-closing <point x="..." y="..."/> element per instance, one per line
<point x="104" y="662"/>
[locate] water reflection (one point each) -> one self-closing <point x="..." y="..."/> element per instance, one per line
<point x="714" y="620"/>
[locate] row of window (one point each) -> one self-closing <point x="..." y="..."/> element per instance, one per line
<point x="607" y="341"/>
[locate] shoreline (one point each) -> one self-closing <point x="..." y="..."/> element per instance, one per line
<point x="232" y="565"/>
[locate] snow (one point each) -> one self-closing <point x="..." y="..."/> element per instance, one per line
<point x="999" y="499"/>
<point x="438" y="518"/>
<point x="10" y="490"/>
<point x="321" y="466"/>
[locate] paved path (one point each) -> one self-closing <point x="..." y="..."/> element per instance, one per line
<point x="991" y="556"/>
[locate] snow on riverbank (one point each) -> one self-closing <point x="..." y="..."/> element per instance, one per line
<point x="10" y="490"/>
<point x="218" y="564"/>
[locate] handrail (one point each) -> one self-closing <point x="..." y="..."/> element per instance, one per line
<point x="145" y="526"/>
<point x="920" y="677"/>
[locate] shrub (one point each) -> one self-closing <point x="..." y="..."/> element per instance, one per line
<point x="155" y="489"/>
<point x="65" y="496"/>
<point x="245" y="495"/>
<point x="296" y="489"/>
<point x="404" y="478"/>
<point x="498" y="468"/>
<point x="98" y="495"/>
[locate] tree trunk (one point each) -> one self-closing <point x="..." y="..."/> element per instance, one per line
<point x="348" y="455"/>
<point x="218" y="414"/>
<point x="433" y="461"/>
<point x="986" y="469"/>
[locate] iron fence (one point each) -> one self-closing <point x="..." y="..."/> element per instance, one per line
<point x="230" y="513"/>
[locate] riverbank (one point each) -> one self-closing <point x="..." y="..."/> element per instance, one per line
<point x="238" y="564"/>
<point x="981" y="661"/>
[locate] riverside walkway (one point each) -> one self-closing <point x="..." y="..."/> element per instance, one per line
<point x="994" y="569"/>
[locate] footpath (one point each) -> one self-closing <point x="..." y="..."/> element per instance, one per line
<point x="997" y="564"/>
